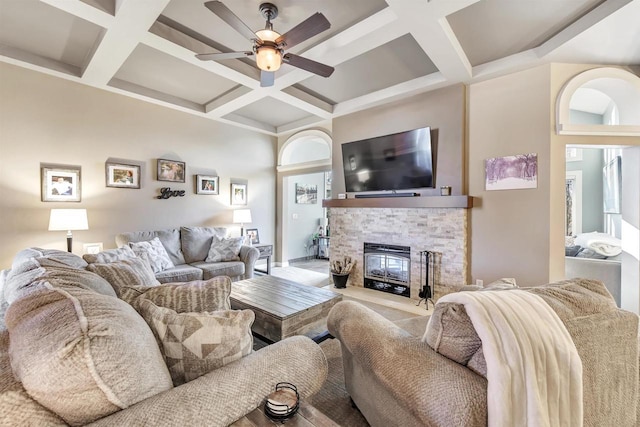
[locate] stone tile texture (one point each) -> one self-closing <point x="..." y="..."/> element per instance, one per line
<point x="440" y="230"/>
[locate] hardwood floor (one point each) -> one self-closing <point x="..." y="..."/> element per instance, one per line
<point x="317" y="265"/>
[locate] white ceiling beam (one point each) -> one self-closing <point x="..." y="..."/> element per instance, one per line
<point x="132" y="21"/>
<point x="299" y="99"/>
<point x="249" y="123"/>
<point x="12" y="55"/>
<point x="154" y="94"/>
<point x="84" y="11"/>
<point x="581" y="25"/>
<point x="182" y="46"/>
<point x="298" y="125"/>
<point x="428" y="25"/>
<point x="503" y="66"/>
<point x="232" y="102"/>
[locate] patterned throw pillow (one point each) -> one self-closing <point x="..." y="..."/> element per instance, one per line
<point x="128" y="277"/>
<point x="225" y="249"/>
<point x="194" y="344"/>
<point x="194" y="296"/>
<point x="154" y="252"/>
<point x="110" y="255"/>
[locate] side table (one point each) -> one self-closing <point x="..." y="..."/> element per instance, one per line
<point x="265" y="253"/>
<point x="307" y="416"/>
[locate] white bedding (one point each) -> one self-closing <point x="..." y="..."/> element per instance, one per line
<point x="534" y="373"/>
<point x="601" y="243"/>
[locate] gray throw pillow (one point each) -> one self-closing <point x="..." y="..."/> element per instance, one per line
<point x="154" y="253"/>
<point x="110" y="255"/>
<point x="225" y="249"/>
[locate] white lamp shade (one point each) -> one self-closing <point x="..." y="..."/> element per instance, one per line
<point x="242" y="216"/>
<point x="68" y="219"/>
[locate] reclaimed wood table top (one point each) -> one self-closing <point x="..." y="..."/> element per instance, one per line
<point x="307" y="416"/>
<point x="279" y="297"/>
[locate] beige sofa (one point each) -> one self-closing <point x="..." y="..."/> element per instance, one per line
<point x="73" y="353"/>
<point x="188" y="248"/>
<point x="397" y="379"/>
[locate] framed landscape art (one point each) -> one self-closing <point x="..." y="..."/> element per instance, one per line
<point x="206" y="184"/>
<point x="121" y="175"/>
<point x="60" y="184"/>
<point x="306" y="193"/>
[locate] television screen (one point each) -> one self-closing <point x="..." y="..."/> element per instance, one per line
<point x="392" y="162"/>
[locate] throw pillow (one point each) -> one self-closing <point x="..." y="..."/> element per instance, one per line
<point x="195" y="296"/>
<point x="110" y="255"/>
<point x="194" y="344"/>
<point x="81" y="354"/>
<point x="129" y="277"/>
<point x="225" y="249"/>
<point x="154" y="253"/>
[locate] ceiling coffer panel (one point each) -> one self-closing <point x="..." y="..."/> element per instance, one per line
<point x="492" y="29"/>
<point x="272" y="112"/>
<point x="163" y="73"/>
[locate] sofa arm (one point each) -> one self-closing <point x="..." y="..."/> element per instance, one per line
<point x="227" y="394"/>
<point x="396" y="379"/>
<point x="249" y="255"/>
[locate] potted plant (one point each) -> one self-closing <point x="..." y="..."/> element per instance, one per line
<point x="340" y="270"/>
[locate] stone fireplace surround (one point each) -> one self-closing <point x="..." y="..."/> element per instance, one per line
<point x="437" y="229"/>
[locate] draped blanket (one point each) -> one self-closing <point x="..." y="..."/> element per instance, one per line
<point x="534" y="373"/>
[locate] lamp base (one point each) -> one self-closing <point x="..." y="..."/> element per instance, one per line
<point x="69" y="242"/>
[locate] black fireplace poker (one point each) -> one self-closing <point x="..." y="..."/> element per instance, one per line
<point x="427" y="263"/>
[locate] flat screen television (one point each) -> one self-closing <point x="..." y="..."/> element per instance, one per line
<point x="400" y="161"/>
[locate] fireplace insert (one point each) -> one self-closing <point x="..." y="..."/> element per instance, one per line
<point x="387" y="268"/>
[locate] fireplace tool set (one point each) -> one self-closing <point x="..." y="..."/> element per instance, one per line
<point x="427" y="264"/>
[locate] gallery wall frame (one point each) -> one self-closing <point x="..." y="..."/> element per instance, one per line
<point x="207" y="184"/>
<point x="238" y="194"/>
<point x="120" y="175"/>
<point x="171" y="170"/>
<point x="61" y="183"/>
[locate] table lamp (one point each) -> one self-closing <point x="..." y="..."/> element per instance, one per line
<point x="242" y="217"/>
<point x="68" y="219"/>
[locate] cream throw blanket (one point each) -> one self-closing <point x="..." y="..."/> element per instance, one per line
<point x="534" y="373"/>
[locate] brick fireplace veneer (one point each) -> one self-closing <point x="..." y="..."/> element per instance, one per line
<point x="442" y="230"/>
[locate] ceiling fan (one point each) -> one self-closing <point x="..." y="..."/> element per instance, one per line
<point x="268" y="45"/>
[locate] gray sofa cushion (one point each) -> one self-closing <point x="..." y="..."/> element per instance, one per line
<point x="212" y="269"/>
<point x="170" y="240"/>
<point x="180" y="273"/>
<point x="196" y="241"/>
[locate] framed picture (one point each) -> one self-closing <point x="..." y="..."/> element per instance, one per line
<point x="238" y="194"/>
<point x="253" y="234"/>
<point x="206" y="184"/>
<point x="92" y="248"/>
<point x="60" y="184"/>
<point x="171" y="170"/>
<point x="122" y="176"/>
<point x="306" y="193"/>
<point x="511" y="172"/>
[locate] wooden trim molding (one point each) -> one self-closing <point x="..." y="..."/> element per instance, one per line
<point x="464" y="202"/>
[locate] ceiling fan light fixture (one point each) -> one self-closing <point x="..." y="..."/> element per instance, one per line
<point x="268" y="58"/>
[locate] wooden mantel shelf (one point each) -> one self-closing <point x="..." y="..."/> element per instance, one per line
<point x="464" y="202"/>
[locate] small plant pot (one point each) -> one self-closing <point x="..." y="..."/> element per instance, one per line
<point x="340" y="280"/>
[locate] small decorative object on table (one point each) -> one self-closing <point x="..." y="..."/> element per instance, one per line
<point x="283" y="403"/>
<point x="340" y="270"/>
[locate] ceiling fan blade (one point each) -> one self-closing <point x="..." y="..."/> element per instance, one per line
<point x="219" y="56"/>
<point x="224" y="13"/>
<point x="267" y="78"/>
<point x="308" y="65"/>
<point x="315" y="24"/>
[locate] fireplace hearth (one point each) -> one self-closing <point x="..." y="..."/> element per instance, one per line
<point x="387" y="268"/>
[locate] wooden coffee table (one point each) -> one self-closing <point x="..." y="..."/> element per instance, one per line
<point x="307" y="416"/>
<point x="284" y="308"/>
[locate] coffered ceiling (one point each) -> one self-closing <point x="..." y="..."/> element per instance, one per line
<point x="382" y="50"/>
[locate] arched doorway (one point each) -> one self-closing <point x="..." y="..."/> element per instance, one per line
<point x="605" y="102"/>
<point x="303" y="176"/>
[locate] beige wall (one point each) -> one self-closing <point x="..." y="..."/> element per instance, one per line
<point x="509" y="229"/>
<point x="443" y="110"/>
<point x="49" y="120"/>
